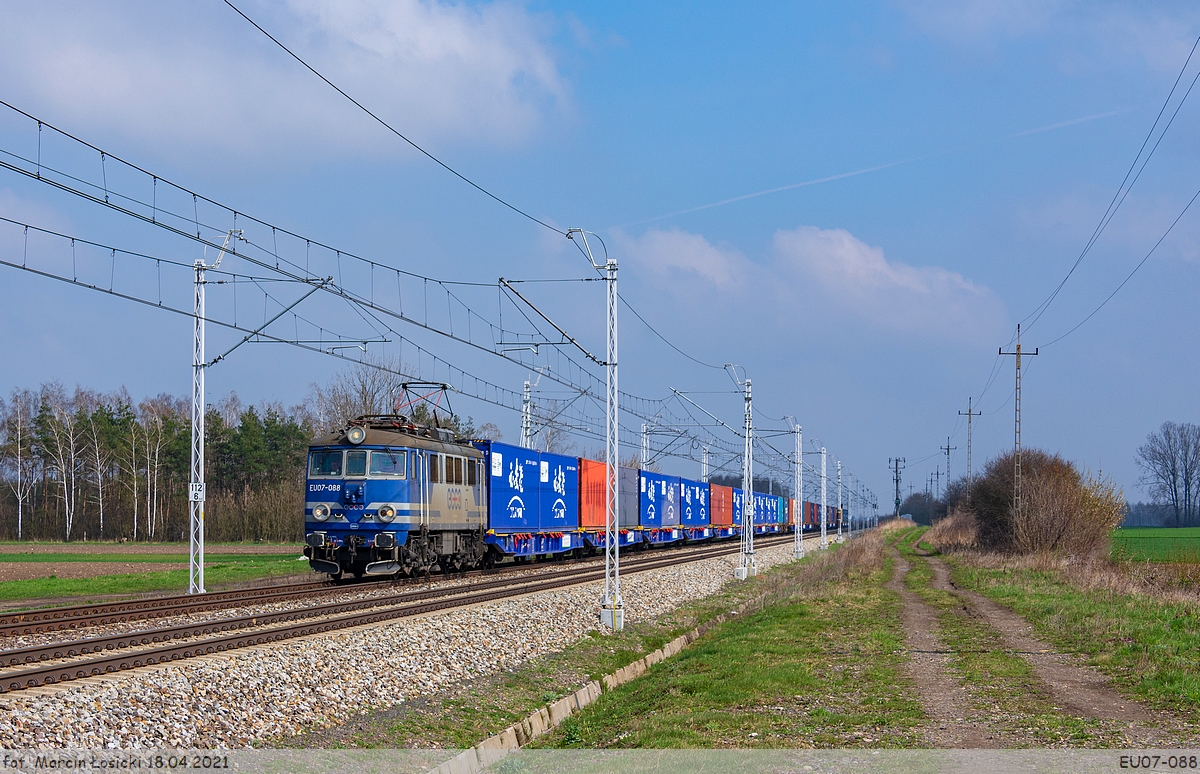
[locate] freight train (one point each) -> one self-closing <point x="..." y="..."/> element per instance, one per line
<point x="387" y="497"/>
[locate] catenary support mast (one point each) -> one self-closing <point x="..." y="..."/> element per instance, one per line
<point x="196" y="483"/>
<point x="748" y="567"/>
<point x="612" y="607"/>
<point x="839" y="482"/>
<point x="798" y="518"/>
<point x="824" y="501"/>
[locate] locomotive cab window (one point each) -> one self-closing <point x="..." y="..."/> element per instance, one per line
<point x="356" y="463"/>
<point x="325" y="463"/>
<point x="389" y="463"/>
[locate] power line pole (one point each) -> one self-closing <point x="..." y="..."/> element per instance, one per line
<point x="1017" y="422"/>
<point x="704" y="464"/>
<point x="968" y="415"/>
<point x="612" y="607"/>
<point x="897" y="465"/>
<point x="948" y="448"/>
<point x="645" y="445"/>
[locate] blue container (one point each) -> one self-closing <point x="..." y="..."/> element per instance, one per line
<point x="738" y="502"/>
<point x="558" y="480"/>
<point x="766" y="509"/>
<point x="658" y="504"/>
<point x="693" y="503"/>
<point x="513" y="489"/>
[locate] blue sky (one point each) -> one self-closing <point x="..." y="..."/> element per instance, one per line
<point x="987" y="138"/>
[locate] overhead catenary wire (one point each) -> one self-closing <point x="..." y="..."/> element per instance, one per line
<point x="393" y="129"/>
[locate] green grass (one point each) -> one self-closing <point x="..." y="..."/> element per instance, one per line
<point x="1157" y="544"/>
<point x="131" y="558"/>
<point x="1147" y="646"/>
<point x="232" y="569"/>
<point x="474" y="710"/>
<point x="823" y="672"/>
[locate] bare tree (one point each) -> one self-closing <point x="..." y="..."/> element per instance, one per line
<point x="1170" y="464"/>
<point x="17" y="449"/>
<point x="60" y="440"/>
<point x="365" y="388"/>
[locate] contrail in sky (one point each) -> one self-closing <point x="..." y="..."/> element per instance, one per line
<point x="866" y="170"/>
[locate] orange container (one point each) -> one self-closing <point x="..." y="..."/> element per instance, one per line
<point x="720" y="507"/>
<point x="593" y="511"/>
<point x="791" y="514"/>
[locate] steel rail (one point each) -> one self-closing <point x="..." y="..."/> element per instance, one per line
<point x="72" y="648"/>
<point x="52" y="674"/>
<point x="44" y="620"/>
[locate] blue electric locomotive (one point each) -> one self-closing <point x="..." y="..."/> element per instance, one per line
<point x="386" y="496"/>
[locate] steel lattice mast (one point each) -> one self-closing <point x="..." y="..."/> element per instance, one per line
<point x="196" y="485"/>
<point x="824" y="479"/>
<point x="798" y="518"/>
<point x="612" y="607"/>
<point x="748" y="566"/>
<point x="839" y="475"/>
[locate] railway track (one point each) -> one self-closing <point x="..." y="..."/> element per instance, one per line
<point x="297" y="623"/>
<point x="82" y="616"/>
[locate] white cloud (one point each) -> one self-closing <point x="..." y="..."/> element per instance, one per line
<point x="829" y="275"/>
<point x="677" y="253"/>
<point x="1087" y="35"/>
<point x="857" y="280"/>
<point x="201" y="78"/>
<point x="967" y="21"/>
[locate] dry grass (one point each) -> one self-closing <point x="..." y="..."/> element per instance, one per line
<point x="957" y="532"/>
<point x="1171" y="583"/>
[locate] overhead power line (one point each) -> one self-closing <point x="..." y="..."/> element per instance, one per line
<point x="1123" y="189"/>
<point x="1128" y="277"/>
<point x="393" y="129"/>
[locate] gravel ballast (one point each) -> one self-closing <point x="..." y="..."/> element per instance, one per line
<point x="244" y="697"/>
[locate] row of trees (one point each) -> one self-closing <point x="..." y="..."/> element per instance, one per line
<point x="88" y="465"/>
<point x="92" y="465"/>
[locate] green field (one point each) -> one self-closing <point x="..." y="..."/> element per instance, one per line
<point x="1157" y="544"/>
<point x="219" y="572"/>
<point x="137" y="558"/>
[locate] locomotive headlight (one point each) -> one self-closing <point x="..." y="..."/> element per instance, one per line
<point x="321" y="512"/>
<point x="356" y="435"/>
<point x="386" y="513"/>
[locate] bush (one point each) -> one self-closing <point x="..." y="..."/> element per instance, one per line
<point x="1062" y="510"/>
